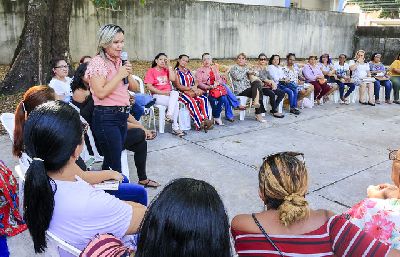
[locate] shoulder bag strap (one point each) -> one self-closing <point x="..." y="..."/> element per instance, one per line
<point x="265" y="234"/>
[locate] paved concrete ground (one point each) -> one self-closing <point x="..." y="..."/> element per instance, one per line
<point x="344" y="146"/>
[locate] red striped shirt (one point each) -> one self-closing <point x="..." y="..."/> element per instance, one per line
<point x="337" y="237"/>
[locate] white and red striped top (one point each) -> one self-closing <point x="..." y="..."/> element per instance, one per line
<point x="337" y="237"/>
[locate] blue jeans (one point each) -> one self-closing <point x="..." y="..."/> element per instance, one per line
<point x="130" y="192"/>
<point x="141" y="100"/>
<point x="109" y="128"/>
<point x="342" y="86"/>
<point x="291" y="90"/>
<point x="377" y="86"/>
<point x="235" y="103"/>
<point x="216" y="105"/>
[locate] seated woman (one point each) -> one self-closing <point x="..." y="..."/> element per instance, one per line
<point x="394" y="72"/>
<point x="55" y="196"/>
<point x="243" y="87"/>
<point x="158" y="81"/>
<point x="284" y="84"/>
<point x="293" y="74"/>
<point x="270" y="88"/>
<point x="193" y="98"/>
<point x="186" y="219"/>
<point x="41" y="94"/>
<point x="136" y="136"/>
<point x="378" y="214"/>
<point x="326" y="66"/>
<point x="342" y="78"/>
<point x="207" y="78"/>
<point x="313" y="75"/>
<point x="362" y="78"/>
<point x="283" y="183"/>
<point x="60" y="82"/>
<point x="378" y="71"/>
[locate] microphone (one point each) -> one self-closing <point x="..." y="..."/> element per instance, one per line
<point x="124" y="58"/>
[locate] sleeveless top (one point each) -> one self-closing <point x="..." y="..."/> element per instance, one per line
<point x="185" y="77"/>
<point x="337" y="237"/>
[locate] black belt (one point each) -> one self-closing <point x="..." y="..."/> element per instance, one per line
<point x="125" y="109"/>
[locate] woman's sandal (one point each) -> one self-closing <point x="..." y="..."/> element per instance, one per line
<point x="178" y="133"/>
<point x="150" y="183"/>
<point x="259" y="118"/>
<point x="152" y="136"/>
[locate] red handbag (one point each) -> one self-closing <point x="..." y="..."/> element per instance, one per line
<point x="218" y="91"/>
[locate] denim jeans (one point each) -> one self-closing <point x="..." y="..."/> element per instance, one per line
<point x="109" y="128"/>
<point x="130" y="192"/>
<point x="141" y="100"/>
<point x="291" y="90"/>
<point x="377" y="86"/>
<point x="216" y="105"/>
<point x="234" y="102"/>
<point x="342" y="85"/>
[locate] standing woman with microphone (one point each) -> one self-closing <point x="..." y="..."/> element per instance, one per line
<point x="109" y="80"/>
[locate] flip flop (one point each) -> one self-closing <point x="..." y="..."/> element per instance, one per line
<point x="150" y="185"/>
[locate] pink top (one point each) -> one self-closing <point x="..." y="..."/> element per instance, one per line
<point x="311" y="73"/>
<point x="107" y="69"/>
<point x="203" y="77"/>
<point x="158" y="78"/>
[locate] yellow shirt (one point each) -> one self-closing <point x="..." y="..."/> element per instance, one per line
<point x="394" y="65"/>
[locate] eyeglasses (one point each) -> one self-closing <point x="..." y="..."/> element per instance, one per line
<point x="393" y="155"/>
<point x="298" y="155"/>
<point x="263" y="59"/>
<point x="62" y="67"/>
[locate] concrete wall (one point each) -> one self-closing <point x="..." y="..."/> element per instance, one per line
<point x="194" y="27"/>
<point x="384" y="40"/>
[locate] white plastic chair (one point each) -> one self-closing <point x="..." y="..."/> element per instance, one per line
<point x="7" y="119"/>
<point x="242" y="99"/>
<point x="149" y="110"/>
<point x="61" y="244"/>
<point x="382" y="94"/>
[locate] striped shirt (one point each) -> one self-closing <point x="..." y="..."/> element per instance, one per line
<point x="185" y="77"/>
<point x="337" y="237"/>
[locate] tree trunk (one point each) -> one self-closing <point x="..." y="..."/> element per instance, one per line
<point x="45" y="36"/>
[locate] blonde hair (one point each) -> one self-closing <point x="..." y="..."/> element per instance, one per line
<point x="359" y="51"/>
<point x="105" y="36"/>
<point x="283" y="181"/>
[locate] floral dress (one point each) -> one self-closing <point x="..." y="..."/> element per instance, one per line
<point x="379" y="218"/>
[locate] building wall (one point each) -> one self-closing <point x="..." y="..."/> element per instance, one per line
<point x="384" y="40"/>
<point x="194" y="27"/>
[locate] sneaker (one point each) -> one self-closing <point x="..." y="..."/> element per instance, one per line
<point x="377" y="102"/>
<point x="295" y="111"/>
<point x="388" y="101"/>
<point x="151" y="103"/>
<point x="396" y="101"/>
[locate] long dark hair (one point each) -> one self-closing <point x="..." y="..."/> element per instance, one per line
<point x="51" y="134"/>
<point x="33" y="97"/>
<point x="373" y="56"/>
<point x="179" y="58"/>
<point x="272" y="58"/>
<point x="187" y="219"/>
<point x="77" y="81"/>
<point x="154" y="64"/>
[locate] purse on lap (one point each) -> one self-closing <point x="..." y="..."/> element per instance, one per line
<point x="218" y="91"/>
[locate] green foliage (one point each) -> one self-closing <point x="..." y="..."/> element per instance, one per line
<point x="110" y="4"/>
<point x="389" y="8"/>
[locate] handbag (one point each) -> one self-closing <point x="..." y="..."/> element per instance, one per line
<point x="266" y="235"/>
<point x="218" y="91"/>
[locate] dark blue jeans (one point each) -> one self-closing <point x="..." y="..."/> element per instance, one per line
<point x="342" y="86"/>
<point x="141" y="100"/>
<point x="109" y="128"/>
<point x="216" y="105"/>
<point x="130" y="192"/>
<point x="292" y="92"/>
<point x="377" y="86"/>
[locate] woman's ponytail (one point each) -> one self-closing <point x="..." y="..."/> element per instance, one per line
<point x="293" y="209"/>
<point x="39" y="206"/>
